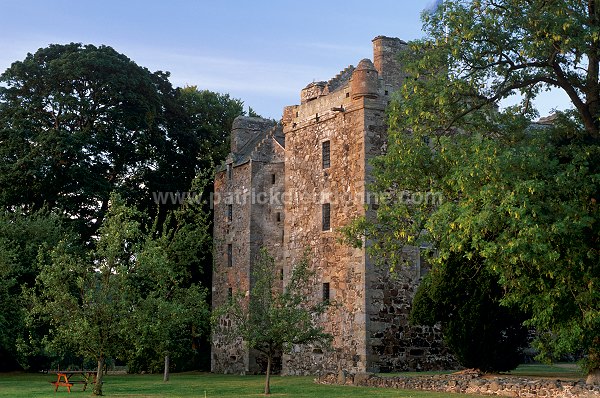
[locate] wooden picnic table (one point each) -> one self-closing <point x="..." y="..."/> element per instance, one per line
<point x="64" y="378"/>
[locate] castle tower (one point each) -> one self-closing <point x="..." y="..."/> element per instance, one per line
<point x="385" y="59"/>
<point x="365" y="81"/>
<point x="248" y="215"/>
<point x="330" y="138"/>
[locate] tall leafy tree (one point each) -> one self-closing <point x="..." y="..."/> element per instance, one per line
<point x="269" y="320"/>
<point x="129" y="296"/>
<point x="171" y="312"/>
<point x="522" y="197"/>
<point x="78" y="122"/>
<point x="84" y="295"/>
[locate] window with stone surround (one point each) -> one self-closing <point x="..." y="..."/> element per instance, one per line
<point x="326" y="216"/>
<point x="230" y="213"/>
<point x="326" y="293"/>
<point x="229" y="171"/>
<point x="326" y="154"/>
<point x="230" y="255"/>
<point x="273" y="179"/>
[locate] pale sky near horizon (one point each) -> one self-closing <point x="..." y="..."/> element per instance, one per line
<point x="261" y="52"/>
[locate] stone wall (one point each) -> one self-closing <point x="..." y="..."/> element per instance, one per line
<point x="250" y="186"/>
<point x="230" y="357"/>
<point x="394" y="344"/>
<point x="505" y="386"/>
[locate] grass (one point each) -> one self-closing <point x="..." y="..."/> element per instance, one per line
<point x="198" y="385"/>
<point x="556" y="371"/>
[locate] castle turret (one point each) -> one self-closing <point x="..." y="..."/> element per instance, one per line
<point x="365" y="80"/>
<point x="385" y="58"/>
<point x="244" y="128"/>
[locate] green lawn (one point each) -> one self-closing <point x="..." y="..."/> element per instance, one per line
<point x="198" y="385"/>
<point x="556" y="371"/>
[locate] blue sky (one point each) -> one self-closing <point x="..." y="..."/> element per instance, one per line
<point x="262" y="52"/>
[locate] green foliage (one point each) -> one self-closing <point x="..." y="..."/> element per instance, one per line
<point x="478" y="52"/>
<point x="127" y="297"/>
<point x="21" y="237"/>
<point x="525" y="203"/>
<point x="171" y="314"/>
<point x="84" y="295"/>
<point x="521" y="197"/>
<point x="78" y="122"/>
<point x="75" y="123"/>
<point x="269" y="320"/>
<point x="210" y="116"/>
<point x="464" y="296"/>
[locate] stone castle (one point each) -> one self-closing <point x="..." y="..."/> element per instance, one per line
<point x="292" y="185"/>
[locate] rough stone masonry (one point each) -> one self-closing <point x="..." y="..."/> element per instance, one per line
<point x="292" y="185"/>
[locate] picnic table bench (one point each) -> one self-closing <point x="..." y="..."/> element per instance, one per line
<point x="65" y="378"/>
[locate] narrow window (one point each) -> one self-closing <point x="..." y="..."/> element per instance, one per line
<point x="325" y="292"/>
<point x="229" y="293"/>
<point x="230" y="255"/>
<point x="326" y="151"/>
<point x="230" y="213"/>
<point x="326" y="212"/>
<point x="229" y="172"/>
<point x="347" y="95"/>
<point x="281" y="274"/>
<point x="272" y="178"/>
<point x="278" y="217"/>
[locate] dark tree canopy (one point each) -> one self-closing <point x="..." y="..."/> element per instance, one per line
<point x="465" y="297"/>
<point x="79" y="121"/>
<point x="211" y="116"/>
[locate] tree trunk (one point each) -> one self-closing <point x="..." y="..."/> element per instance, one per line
<point x="593" y="377"/>
<point x="166" y="373"/>
<point x="268" y="377"/>
<point x="99" y="374"/>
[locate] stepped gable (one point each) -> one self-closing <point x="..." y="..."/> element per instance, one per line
<point x="254" y="131"/>
<point x="279" y="137"/>
<point x="263" y="150"/>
